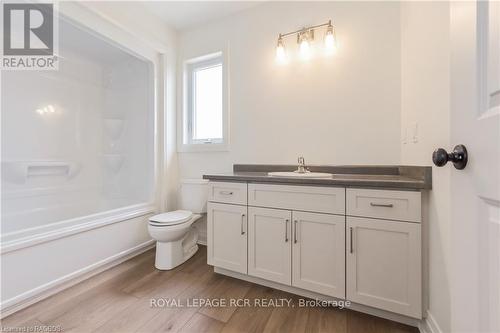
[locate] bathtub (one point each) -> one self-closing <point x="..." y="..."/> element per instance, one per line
<point x="40" y="261"/>
<point x="40" y="224"/>
<point x="80" y="165"/>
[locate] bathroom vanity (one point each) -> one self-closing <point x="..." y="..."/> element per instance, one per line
<point x="355" y="236"/>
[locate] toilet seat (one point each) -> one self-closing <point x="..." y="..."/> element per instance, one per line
<point x="170" y="218"/>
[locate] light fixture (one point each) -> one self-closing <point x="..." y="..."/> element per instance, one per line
<point x="305" y="37"/>
<point x="280" y="51"/>
<point x="330" y="40"/>
<point x="304" y="47"/>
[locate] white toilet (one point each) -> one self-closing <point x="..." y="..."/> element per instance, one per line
<point x="176" y="239"/>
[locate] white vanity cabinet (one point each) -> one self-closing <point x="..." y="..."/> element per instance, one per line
<point x="363" y="245"/>
<point x="384" y="204"/>
<point x="269" y="244"/>
<point x="384" y="265"/>
<point x="227" y="236"/>
<point x="231" y="193"/>
<point x="302" y="249"/>
<point x="318" y="199"/>
<point x="318" y="253"/>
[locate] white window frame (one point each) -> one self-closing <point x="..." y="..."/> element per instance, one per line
<point x="187" y="143"/>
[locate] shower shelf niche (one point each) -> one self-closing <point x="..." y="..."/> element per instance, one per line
<point x="20" y="171"/>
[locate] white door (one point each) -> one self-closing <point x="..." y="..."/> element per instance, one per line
<point x="227" y="236"/>
<point x="384" y="265"/>
<point x="318" y="253"/>
<point x="475" y="199"/>
<point x="269" y="244"/>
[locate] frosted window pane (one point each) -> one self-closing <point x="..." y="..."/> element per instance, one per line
<point x="207" y="122"/>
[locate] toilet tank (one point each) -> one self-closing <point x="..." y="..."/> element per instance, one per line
<point x="193" y="195"/>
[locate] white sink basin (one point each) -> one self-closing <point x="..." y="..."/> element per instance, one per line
<point x="300" y="175"/>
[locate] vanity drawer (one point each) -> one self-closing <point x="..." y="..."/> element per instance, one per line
<point x="306" y="198"/>
<point x="384" y="204"/>
<point x="232" y="193"/>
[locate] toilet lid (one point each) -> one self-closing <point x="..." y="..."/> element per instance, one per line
<point x="171" y="218"/>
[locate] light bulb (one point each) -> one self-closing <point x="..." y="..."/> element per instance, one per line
<point x="305" y="50"/>
<point x="330" y="42"/>
<point x="280" y="51"/>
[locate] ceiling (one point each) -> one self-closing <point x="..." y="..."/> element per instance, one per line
<point x="185" y="15"/>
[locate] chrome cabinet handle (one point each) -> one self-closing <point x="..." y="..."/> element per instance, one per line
<point x="351" y="250"/>
<point x="226" y="192"/>
<point x="242" y="222"/>
<point x="286" y="230"/>
<point x="381" y="205"/>
<point x="295" y="231"/>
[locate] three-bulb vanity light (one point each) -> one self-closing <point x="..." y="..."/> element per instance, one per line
<point x="304" y="38"/>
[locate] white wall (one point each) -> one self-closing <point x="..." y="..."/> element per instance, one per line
<point x="340" y="110"/>
<point x="425" y="93"/>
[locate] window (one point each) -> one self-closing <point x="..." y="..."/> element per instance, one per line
<point x="205" y="114"/>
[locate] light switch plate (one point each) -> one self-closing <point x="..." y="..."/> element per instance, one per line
<point x="415" y="132"/>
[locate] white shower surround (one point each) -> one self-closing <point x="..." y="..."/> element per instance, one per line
<point x="81" y="246"/>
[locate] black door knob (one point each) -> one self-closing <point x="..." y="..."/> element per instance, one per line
<point x="458" y="156"/>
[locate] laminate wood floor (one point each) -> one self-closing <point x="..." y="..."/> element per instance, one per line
<point x="120" y="300"/>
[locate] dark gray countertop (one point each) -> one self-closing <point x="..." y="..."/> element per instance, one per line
<point x="396" y="177"/>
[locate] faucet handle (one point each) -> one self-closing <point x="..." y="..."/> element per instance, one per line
<point x="302" y="165"/>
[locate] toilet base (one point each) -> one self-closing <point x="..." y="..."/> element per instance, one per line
<point x="171" y="254"/>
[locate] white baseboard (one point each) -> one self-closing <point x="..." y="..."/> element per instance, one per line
<point x="429" y="325"/>
<point x="309" y="294"/>
<point x="35" y="295"/>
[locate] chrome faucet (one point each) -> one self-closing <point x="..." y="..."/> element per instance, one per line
<point x="302" y="165"/>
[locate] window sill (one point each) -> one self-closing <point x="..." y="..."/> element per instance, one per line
<point x="207" y="147"/>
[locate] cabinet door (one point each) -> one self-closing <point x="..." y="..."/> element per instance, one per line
<point x="269" y="244"/>
<point x="318" y="253"/>
<point x="227" y="236"/>
<point x="384" y="265"/>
